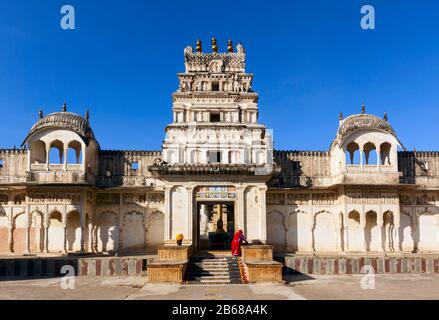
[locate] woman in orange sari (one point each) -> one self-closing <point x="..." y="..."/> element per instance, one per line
<point x="237" y="241"/>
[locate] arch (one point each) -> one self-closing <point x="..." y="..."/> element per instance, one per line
<point x="56" y="232"/>
<point x="36" y="231"/>
<point x="406" y="232"/>
<point x="324" y="232"/>
<point x="371" y="232"/>
<point x="73" y="231"/>
<point x="38" y="153"/>
<point x="276" y="230"/>
<point x="354" y="231"/>
<point x="4" y="198"/>
<point x="353" y="153"/>
<point x="19" y="199"/>
<point x="428" y="225"/>
<point x="134" y="232"/>
<point x="56" y="152"/>
<point x="298" y="231"/>
<point x="385" y="149"/>
<point x="74" y="152"/>
<point x="108" y="232"/>
<point x="155" y="235"/>
<point x="370" y="154"/>
<point x="19" y="232"/>
<point x="388" y="231"/>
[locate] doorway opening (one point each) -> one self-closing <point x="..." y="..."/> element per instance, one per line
<point x="216" y="225"/>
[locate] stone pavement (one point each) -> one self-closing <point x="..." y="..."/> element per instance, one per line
<point x="136" y="288"/>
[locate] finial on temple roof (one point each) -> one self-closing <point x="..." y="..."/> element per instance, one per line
<point x="240" y="49"/>
<point x="385" y="117"/>
<point x="199" y="46"/>
<point x="41" y="114"/>
<point x="64" y="107"/>
<point x="87" y="116"/>
<point x="230" y="46"/>
<point x="214" y="45"/>
<point x="340" y="117"/>
<point x="363" y="108"/>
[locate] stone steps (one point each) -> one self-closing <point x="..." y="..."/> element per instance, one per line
<point x="218" y="269"/>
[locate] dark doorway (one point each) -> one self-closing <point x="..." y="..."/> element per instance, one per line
<point x="216" y="225"/>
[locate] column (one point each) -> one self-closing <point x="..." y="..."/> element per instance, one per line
<point x="338" y="223"/>
<point x="65" y="239"/>
<point x="311" y="231"/>
<point x="190" y="213"/>
<point x="263" y="212"/>
<point x="397" y="223"/>
<point x="378" y="159"/>
<point x="46" y="236"/>
<point x="65" y="149"/>
<point x="240" y="209"/>
<point x="27" y="240"/>
<point x="361" y="158"/>
<point x="380" y="224"/>
<point x="95" y="238"/>
<point x="90" y="236"/>
<point x="47" y="157"/>
<point x="10" y="238"/>
<point x="168" y="217"/>
<point x="346" y="231"/>
<point x="363" y="231"/>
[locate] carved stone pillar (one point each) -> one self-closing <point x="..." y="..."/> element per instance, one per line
<point x="363" y="232"/>
<point x="65" y="240"/>
<point x="241" y="209"/>
<point x="27" y="240"/>
<point x="190" y="213"/>
<point x="263" y="211"/>
<point x="381" y="228"/>
<point x="397" y="223"/>
<point x="90" y="237"/>
<point x="168" y="214"/>
<point x="10" y="238"/>
<point x="120" y="249"/>
<point x="46" y="237"/>
<point x="361" y="159"/>
<point x="338" y="231"/>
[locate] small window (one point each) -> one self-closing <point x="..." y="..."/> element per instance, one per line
<point x="296" y="166"/>
<point x="134" y="166"/>
<point x="215" y="86"/>
<point x="214" y="156"/>
<point x="215" y="117"/>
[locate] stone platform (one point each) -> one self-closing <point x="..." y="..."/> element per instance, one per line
<point x="355" y="264"/>
<point x="95" y="266"/>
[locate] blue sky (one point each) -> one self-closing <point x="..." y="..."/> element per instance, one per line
<point x="311" y="60"/>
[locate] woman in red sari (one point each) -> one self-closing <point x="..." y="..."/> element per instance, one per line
<point x="238" y="239"/>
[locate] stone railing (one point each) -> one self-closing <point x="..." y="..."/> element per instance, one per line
<point x="75" y="177"/>
<point x="6" y="179"/>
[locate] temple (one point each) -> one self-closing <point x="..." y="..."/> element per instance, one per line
<point x="217" y="173"/>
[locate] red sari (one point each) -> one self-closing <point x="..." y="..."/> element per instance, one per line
<point x="237" y="241"/>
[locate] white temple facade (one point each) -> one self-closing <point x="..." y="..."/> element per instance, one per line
<point x="217" y="173"/>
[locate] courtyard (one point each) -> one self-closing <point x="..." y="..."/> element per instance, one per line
<point x="386" y="287"/>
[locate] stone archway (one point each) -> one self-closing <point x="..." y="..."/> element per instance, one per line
<point x="324" y="232"/>
<point x="371" y="232"/>
<point x="155" y="235"/>
<point x="73" y="231"/>
<point x="56" y="232"/>
<point x="134" y="232"/>
<point x="276" y="231"/>
<point x="354" y="232"/>
<point x="19" y="233"/>
<point x="298" y="232"/>
<point x="108" y="232"/>
<point x="36" y="232"/>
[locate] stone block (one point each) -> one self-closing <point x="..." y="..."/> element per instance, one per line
<point x="167" y="271"/>
<point x="257" y="252"/>
<point x="173" y="253"/>
<point x="262" y="271"/>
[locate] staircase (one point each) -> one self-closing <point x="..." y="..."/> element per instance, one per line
<point x="214" y="268"/>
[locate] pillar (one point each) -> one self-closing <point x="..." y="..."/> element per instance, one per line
<point x="46" y="237"/>
<point x="190" y="213"/>
<point x="65" y="149"/>
<point x="168" y="214"/>
<point x="10" y="238"/>
<point x="363" y="231"/>
<point x="27" y="240"/>
<point x="380" y="224"/>
<point x="397" y="223"/>
<point x="90" y="236"/>
<point x="240" y="209"/>
<point x="361" y="158"/>
<point x="263" y="212"/>
<point x="311" y="231"/>
<point x="338" y="236"/>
